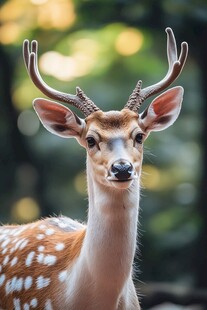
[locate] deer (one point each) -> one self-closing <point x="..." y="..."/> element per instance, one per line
<point x="58" y="263"/>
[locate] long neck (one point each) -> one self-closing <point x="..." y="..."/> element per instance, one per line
<point x="110" y="240"/>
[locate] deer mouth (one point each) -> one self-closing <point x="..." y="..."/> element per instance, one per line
<point x="121" y="184"/>
<point x="113" y="179"/>
<point x="121" y="181"/>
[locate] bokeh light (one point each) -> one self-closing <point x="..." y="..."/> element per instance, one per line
<point x="38" y="2"/>
<point x="28" y="123"/>
<point x="25" y="210"/>
<point x="56" y="14"/>
<point x="80" y="183"/>
<point x="150" y="177"/>
<point x="9" y="32"/>
<point x="19" y="16"/>
<point x="66" y="68"/>
<point x="129" y="42"/>
<point x="185" y="193"/>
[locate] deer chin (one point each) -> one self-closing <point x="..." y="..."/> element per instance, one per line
<point x="125" y="184"/>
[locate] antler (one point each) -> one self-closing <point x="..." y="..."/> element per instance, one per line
<point x="80" y="100"/>
<point x="175" y="67"/>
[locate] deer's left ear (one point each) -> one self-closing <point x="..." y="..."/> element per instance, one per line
<point x="58" y="119"/>
<point x="163" y="111"/>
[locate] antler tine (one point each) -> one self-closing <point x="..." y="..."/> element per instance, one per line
<point x="175" y="67"/>
<point x="171" y="47"/>
<point x="26" y="53"/>
<point x="80" y="100"/>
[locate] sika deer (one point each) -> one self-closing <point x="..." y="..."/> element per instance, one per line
<point x="58" y="263"/>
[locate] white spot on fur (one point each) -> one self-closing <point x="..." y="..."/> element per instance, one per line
<point x="40" y="236"/>
<point x="50" y="260"/>
<point x="59" y="246"/>
<point x="16" y="302"/>
<point x="40" y="258"/>
<point x="14" y="284"/>
<point x="2" y="279"/>
<point x="23" y="245"/>
<point x="33" y="303"/>
<point x="49" y="232"/>
<point x="62" y="225"/>
<point x="42" y="226"/>
<point x="42" y="282"/>
<point x="20" y="243"/>
<point x="29" y="258"/>
<point x="6" y="231"/>
<point x="12" y="250"/>
<point x="5" y="243"/>
<point x="14" y="261"/>
<point x="2" y="237"/>
<point x="41" y="248"/>
<point x="4" y="251"/>
<point x="26" y="306"/>
<point x="28" y="282"/>
<point x="62" y="276"/>
<point x="48" y="305"/>
<point x="6" y="260"/>
<point x="46" y="259"/>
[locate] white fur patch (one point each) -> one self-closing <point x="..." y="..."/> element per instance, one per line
<point x="46" y="259"/>
<point x="40" y="236"/>
<point x="29" y="259"/>
<point x="62" y="275"/>
<point x="5" y="243"/>
<point x="34" y="303"/>
<point x="17" y="305"/>
<point x="59" y="246"/>
<point x="2" y="279"/>
<point x="41" y="248"/>
<point x="42" y="282"/>
<point x="6" y="260"/>
<point x="26" y="306"/>
<point x="13" y="285"/>
<point x="14" y="261"/>
<point x="28" y="282"/>
<point x="49" y="232"/>
<point x="48" y="305"/>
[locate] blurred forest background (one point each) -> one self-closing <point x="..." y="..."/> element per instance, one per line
<point x="104" y="47"/>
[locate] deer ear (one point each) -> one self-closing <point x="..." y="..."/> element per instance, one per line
<point x="58" y="119"/>
<point x="163" y="111"/>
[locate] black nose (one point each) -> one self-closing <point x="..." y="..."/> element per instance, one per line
<point x="122" y="170"/>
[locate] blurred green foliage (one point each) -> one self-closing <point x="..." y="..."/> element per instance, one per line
<point x="93" y="39"/>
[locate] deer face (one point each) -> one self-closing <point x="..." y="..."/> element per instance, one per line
<point x="113" y="140"/>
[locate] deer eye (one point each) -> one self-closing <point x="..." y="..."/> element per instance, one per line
<point x="91" y="142"/>
<point x="139" y="138"/>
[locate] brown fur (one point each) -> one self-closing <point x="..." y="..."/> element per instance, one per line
<point x="109" y="120"/>
<point x="72" y="241"/>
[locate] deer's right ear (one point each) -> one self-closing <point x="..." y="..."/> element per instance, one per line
<point x="58" y="119"/>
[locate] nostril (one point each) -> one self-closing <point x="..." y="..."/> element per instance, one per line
<point x="115" y="168"/>
<point x="122" y="171"/>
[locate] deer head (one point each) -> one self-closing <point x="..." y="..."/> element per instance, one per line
<point x="113" y="139"/>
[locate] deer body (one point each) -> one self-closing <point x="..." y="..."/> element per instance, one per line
<point x="74" y="266"/>
<point x="57" y="263"/>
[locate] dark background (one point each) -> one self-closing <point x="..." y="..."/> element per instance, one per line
<point x="105" y="47"/>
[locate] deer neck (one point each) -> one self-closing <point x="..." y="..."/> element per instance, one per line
<point x="110" y="241"/>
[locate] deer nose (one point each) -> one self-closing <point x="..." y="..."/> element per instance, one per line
<point x="122" y="170"/>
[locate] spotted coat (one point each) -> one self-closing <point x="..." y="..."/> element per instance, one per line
<point x="35" y="262"/>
